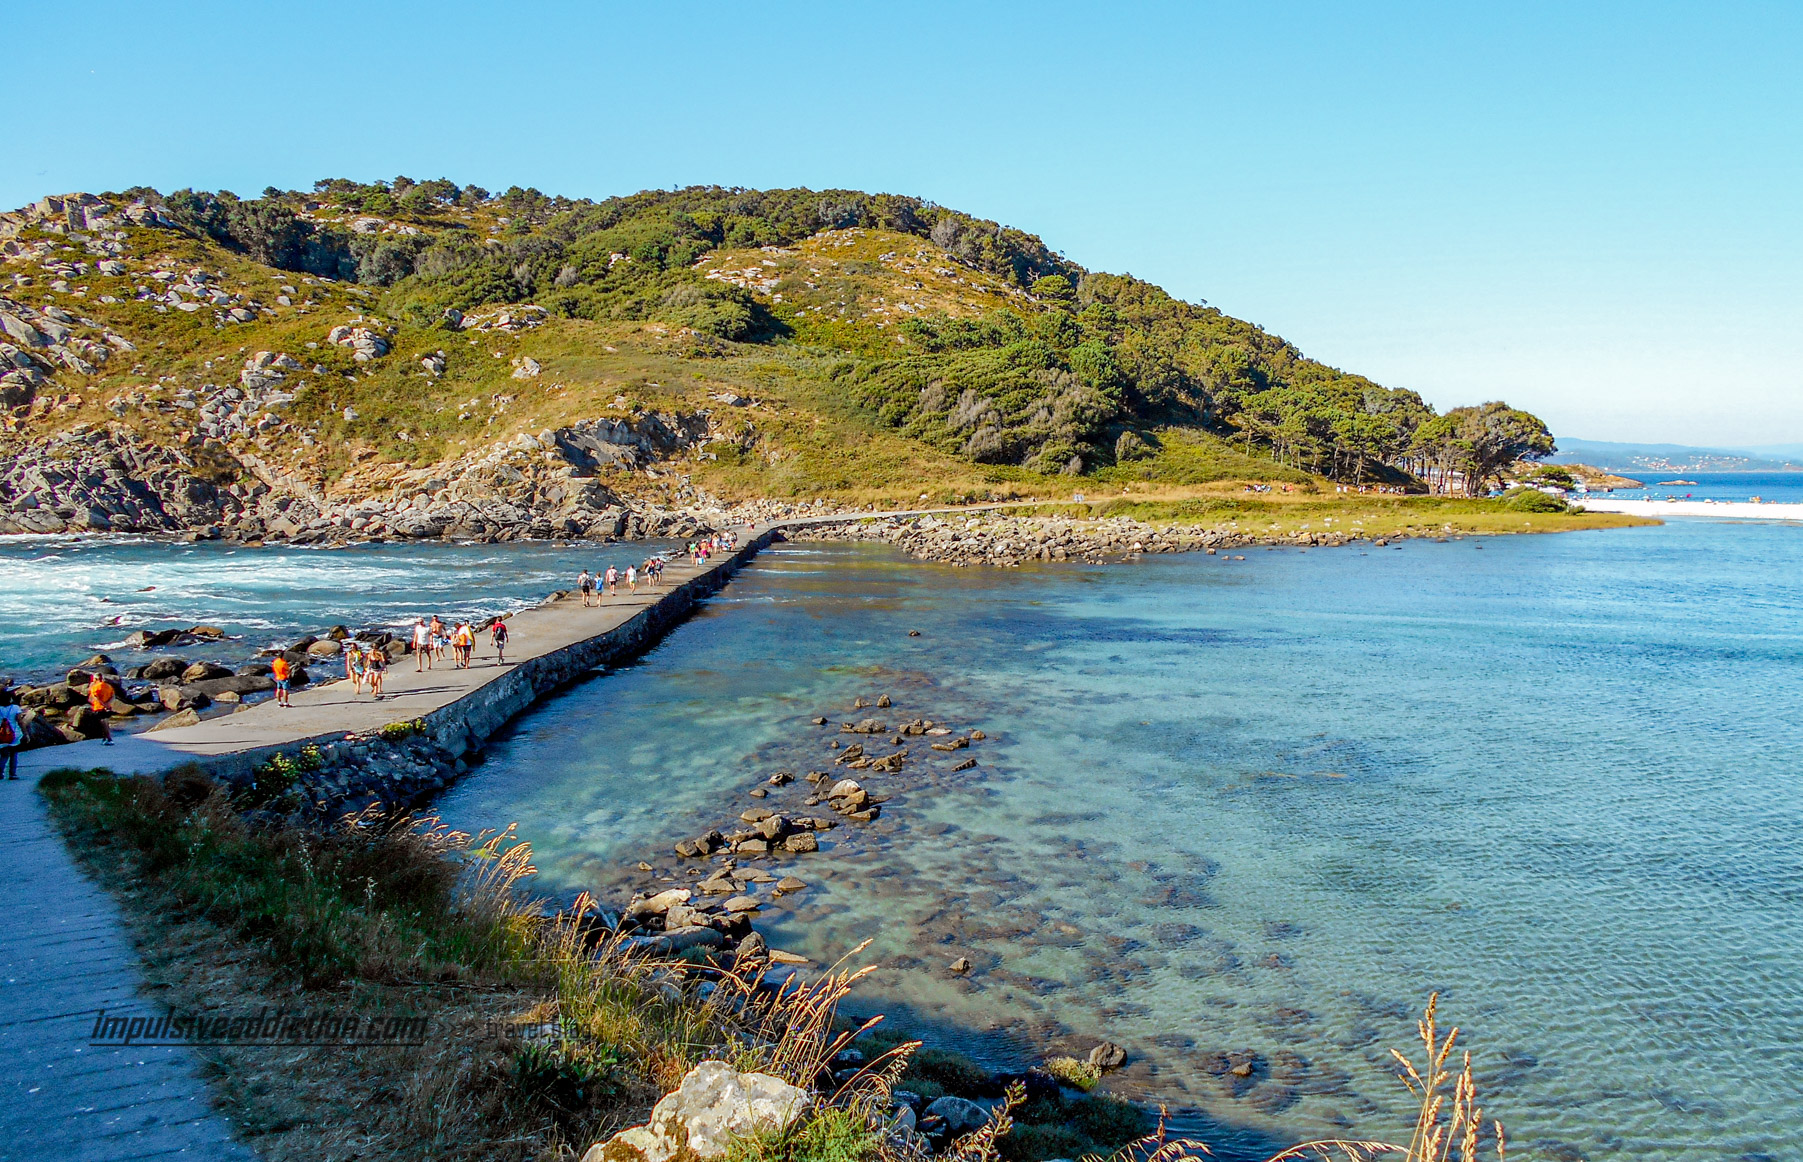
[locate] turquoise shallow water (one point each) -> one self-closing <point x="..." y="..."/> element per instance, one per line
<point x="1262" y="806"/>
<point x="1269" y="806"/>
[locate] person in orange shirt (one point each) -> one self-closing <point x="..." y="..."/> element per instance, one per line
<point x="100" y="701"/>
<point x="280" y="670"/>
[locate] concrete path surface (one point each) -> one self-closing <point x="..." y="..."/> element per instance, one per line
<point x="64" y="954"/>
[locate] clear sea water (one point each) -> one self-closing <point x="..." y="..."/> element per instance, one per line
<point x="64" y="598"/>
<point x="1270" y="806"/>
<point x="1261" y="806"/>
<point x="1785" y="487"/>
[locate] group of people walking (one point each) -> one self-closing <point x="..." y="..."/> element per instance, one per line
<point x="703" y="549"/>
<point x="606" y="583"/>
<point x="431" y="640"/>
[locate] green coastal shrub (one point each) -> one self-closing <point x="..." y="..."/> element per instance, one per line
<point x="1077" y="1074"/>
<point x="400" y="731"/>
<point x="1533" y="500"/>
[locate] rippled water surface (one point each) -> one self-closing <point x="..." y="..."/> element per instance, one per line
<point x="1269" y="806"/>
<point x="63" y="598"/>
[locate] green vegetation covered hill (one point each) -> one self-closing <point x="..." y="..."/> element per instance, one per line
<point x="844" y="343"/>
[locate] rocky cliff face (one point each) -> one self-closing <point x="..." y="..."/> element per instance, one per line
<point x="111" y="479"/>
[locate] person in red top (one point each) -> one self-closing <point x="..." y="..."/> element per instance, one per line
<point x="280" y="670"/>
<point x="100" y="701"/>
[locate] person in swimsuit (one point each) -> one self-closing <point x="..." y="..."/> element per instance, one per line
<point x="353" y="666"/>
<point x="613" y="581"/>
<point x="378" y="669"/>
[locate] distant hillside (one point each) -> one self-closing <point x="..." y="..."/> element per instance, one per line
<point x="391" y="335"/>
<point x="1673" y="457"/>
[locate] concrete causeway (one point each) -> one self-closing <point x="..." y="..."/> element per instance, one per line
<point x="549" y="645"/>
<point x="64" y="951"/>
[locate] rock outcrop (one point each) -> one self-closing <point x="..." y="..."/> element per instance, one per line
<point x="715" y="1104"/>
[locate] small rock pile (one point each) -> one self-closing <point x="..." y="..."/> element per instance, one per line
<point x="365" y="344"/>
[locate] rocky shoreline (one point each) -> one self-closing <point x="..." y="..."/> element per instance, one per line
<point x="997" y="539"/>
<point x="174" y="689"/>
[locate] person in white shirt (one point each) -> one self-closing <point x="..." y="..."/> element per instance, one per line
<point x="422" y="644"/>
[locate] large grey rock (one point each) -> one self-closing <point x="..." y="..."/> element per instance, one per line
<point x="715" y="1104"/>
<point x="1108" y="1055"/>
<point x="21" y="331"/>
<point x="658" y="904"/>
<point x="961" y="1114"/>
<point x="203" y="670"/>
<point x="179" y="718"/>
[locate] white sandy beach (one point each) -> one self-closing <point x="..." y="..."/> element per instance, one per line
<point x="1737" y="510"/>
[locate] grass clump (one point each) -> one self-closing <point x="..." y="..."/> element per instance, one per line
<point x="834" y="1135"/>
<point x="1077" y="1074"/>
<point x="401" y="731"/>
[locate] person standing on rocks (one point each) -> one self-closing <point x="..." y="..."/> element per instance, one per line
<point x="497" y="633"/>
<point x="12" y="734"/>
<point x="281" y="671"/>
<point x="100" y="701"/>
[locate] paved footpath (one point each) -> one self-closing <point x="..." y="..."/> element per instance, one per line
<point x="64" y="951"/>
<point x="64" y="954"/>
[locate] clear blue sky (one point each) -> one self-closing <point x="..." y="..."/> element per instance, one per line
<point x="1594" y="211"/>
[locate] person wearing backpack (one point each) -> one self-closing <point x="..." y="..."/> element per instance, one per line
<point x="12" y="734"/>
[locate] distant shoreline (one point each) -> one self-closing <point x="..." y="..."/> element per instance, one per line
<point x="1719" y="509"/>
